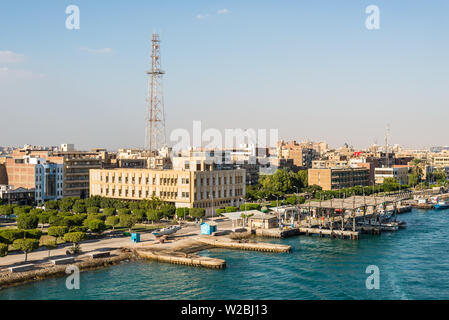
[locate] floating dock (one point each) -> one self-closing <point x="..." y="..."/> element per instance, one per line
<point x="335" y="233"/>
<point x="186" y="259"/>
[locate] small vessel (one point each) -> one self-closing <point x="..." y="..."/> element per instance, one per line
<point x="389" y="226"/>
<point x="442" y="205"/>
<point x="166" y="231"/>
<point x="402" y="224"/>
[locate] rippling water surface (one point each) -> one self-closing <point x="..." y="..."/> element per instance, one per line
<point x="413" y="263"/>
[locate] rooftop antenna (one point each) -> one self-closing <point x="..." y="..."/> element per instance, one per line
<point x="155" y="114"/>
<point x="387" y="141"/>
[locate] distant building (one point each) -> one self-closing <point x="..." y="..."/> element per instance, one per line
<point x="302" y="154"/>
<point x="399" y="173"/>
<point x="338" y="178"/>
<point x="209" y="189"/>
<point x="45" y="177"/>
<point x="20" y="196"/>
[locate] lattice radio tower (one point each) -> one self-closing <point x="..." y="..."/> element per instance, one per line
<point x="155" y="114"/>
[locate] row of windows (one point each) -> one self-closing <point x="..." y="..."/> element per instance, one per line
<point x="146" y="193"/>
<point x="226" y="180"/>
<point x="139" y="180"/>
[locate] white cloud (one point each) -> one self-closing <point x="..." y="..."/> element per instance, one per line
<point x="223" y="11"/>
<point x="11" y="57"/>
<point x="7" y="74"/>
<point x="202" y="16"/>
<point x="96" y="51"/>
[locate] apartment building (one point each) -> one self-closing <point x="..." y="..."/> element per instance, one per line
<point x="39" y="174"/>
<point x="398" y="172"/>
<point x="208" y="189"/>
<point x="338" y="178"/>
<point x="301" y="153"/>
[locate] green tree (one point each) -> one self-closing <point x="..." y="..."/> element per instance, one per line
<point x="75" y="237"/>
<point x="57" y="231"/>
<point x="10" y="235"/>
<point x="96" y="225"/>
<point x="139" y="214"/>
<point x="182" y="212"/>
<point x="168" y="211"/>
<point x="6" y="210"/>
<point x="197" y="212"/>
<point x="109" y="211"/>
<point x="112" y="221"/>
<point x="51" y="205"/>
<point x="79" y="207"/>
<point x="49" y="242"/>
<point x="27" y="221"/>
<point x="92" y="210"/>
<point x="26" y="245"/>
<point x="3" y="249"/>
<point x="154" y="215"/>
<point x="127" y="221"/>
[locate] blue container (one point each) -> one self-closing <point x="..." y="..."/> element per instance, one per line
<point x="208" y="228"/>
<point x="135" y="237"/>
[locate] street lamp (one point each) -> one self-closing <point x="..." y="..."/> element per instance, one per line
<point x="212" y="197"/>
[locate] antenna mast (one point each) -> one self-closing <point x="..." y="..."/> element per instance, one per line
<point x="155" y="114"/>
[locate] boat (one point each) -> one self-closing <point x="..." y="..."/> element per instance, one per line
<point x="389" y="226"/>
<point x="166" y="231"/>
<point x="402" y="224"/>
<point x="442" y="205"/>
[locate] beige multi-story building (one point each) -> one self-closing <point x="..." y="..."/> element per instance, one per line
<point x="399" y="173"/>
<point x="208" y="189"/>
<point x="338" y="178"/>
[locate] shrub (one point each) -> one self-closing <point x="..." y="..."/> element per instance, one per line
<point x="92" y="210"/>
<point x="57" y="231"/>
<point x="109" y="211"/>
<point x="250" y="206"/>
<point x="220" y="211"/>
<point x="3" y="249"/>
<point x="33" y="234"/>
<point x="9" y="236"/>
<point x="27" y="221"/>
<point x="231" y="209"/>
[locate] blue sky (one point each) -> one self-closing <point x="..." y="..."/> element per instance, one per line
<point x="309" y="68"/>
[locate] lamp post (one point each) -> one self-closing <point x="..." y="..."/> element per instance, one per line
<point x="213" y="209"/>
